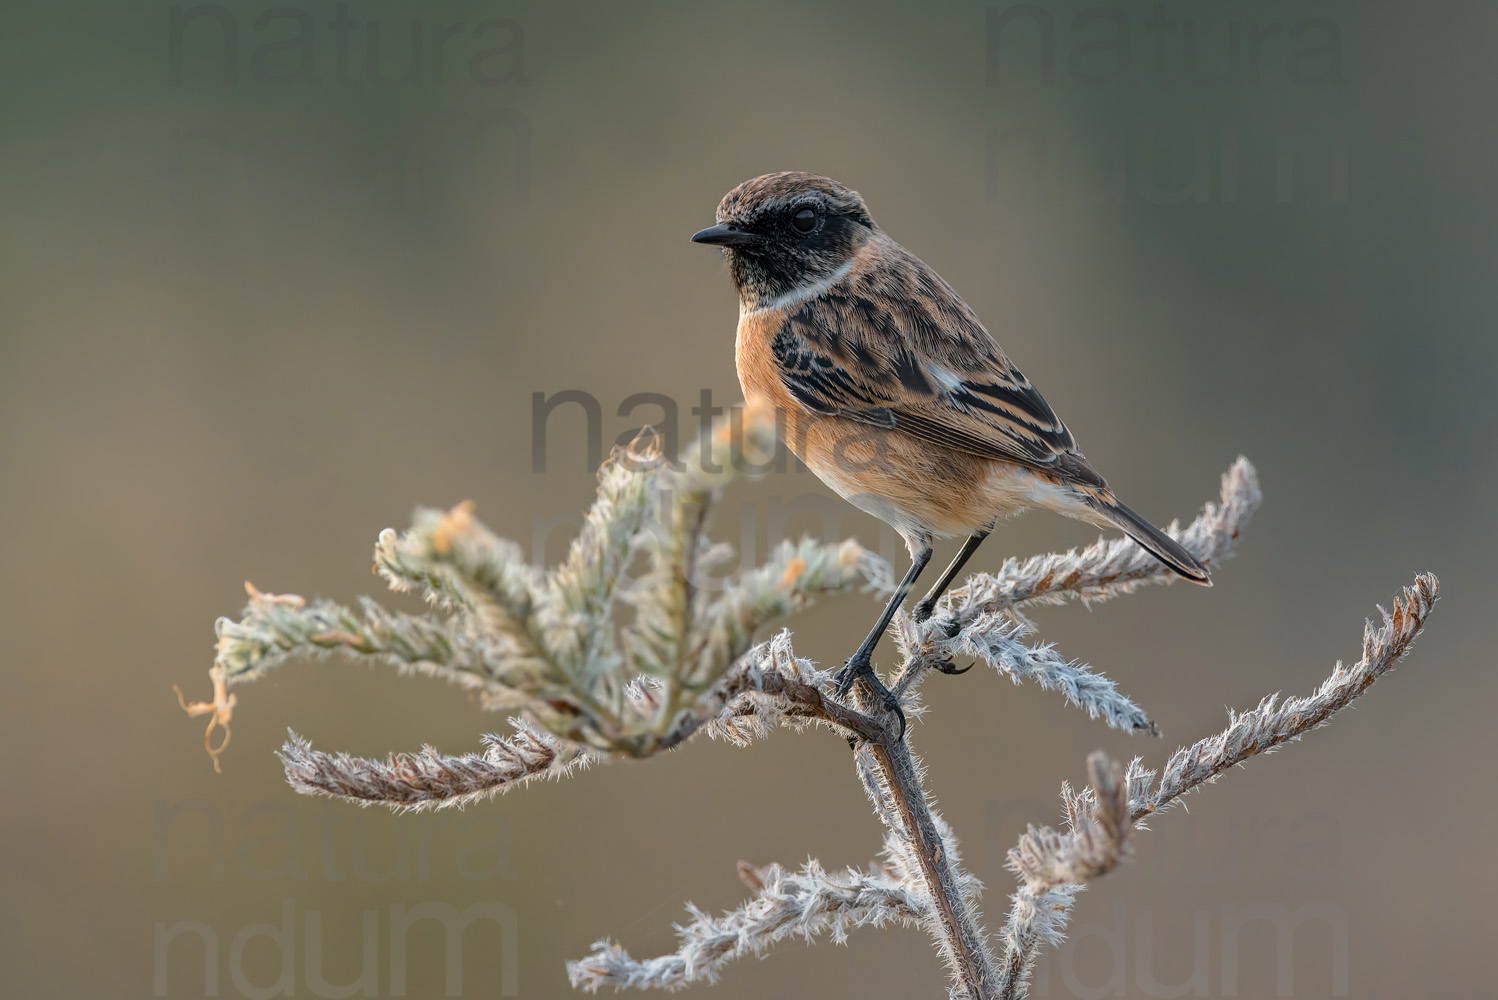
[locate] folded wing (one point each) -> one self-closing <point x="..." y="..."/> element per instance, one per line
<point x="925" y="366"/>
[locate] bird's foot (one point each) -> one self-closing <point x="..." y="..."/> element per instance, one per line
<point x="854" y="668"/>
<point x="949" y="627"/>
<point x="843" y="680"/>
<point x="948" y="623"/>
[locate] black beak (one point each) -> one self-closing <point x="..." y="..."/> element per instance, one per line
<point x="724" y="235"/>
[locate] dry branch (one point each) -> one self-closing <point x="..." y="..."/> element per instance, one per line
<point x="585" y="684"/>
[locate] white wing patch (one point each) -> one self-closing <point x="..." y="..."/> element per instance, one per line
<point x="943" y="376"/>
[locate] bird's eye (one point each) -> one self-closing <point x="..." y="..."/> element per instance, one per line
<point x="805" y="220"/>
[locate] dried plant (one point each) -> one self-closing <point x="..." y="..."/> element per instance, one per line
<point x="587" y="683"/>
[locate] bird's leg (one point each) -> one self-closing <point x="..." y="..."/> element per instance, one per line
<point x="861" y="663"/>
<point x="928" y="603"/>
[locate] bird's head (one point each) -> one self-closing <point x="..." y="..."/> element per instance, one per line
<point x="784" y="231"/>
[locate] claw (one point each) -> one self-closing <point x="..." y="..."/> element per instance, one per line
<point x="946" y="667"/>
<point x="892" y="703"/>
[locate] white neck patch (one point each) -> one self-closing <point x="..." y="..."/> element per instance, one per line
<point x="800" y="293"/>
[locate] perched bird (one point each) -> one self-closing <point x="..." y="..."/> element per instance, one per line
<point x="891" y="390"/>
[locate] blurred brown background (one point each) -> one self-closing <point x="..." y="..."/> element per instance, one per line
<point x="246" y="324"/>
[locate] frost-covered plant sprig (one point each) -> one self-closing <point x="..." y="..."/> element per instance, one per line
<point x="415" y="781"/>
<point x="585" y="683"/>
<point x="995" y="638"/>
<point x="546" y="645"/>
<point x="786" y="904"/>
<point x="769" y="685"/>
<point x="1052" y="865"/>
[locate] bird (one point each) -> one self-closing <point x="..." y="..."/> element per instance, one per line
<point x="889" y="388"/>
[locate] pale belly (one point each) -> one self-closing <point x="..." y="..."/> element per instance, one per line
<point x="933" y="491"/>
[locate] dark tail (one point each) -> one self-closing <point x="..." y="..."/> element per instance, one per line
<point x="1159" y="544"/>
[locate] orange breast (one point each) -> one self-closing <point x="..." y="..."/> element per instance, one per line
<point x="916" y="487"/>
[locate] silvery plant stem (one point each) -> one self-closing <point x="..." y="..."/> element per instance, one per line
<point x="956" y="928"/>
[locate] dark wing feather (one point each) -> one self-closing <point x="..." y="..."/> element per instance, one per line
<point x="918" y="361"/>
<point x="822" y="386"/>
